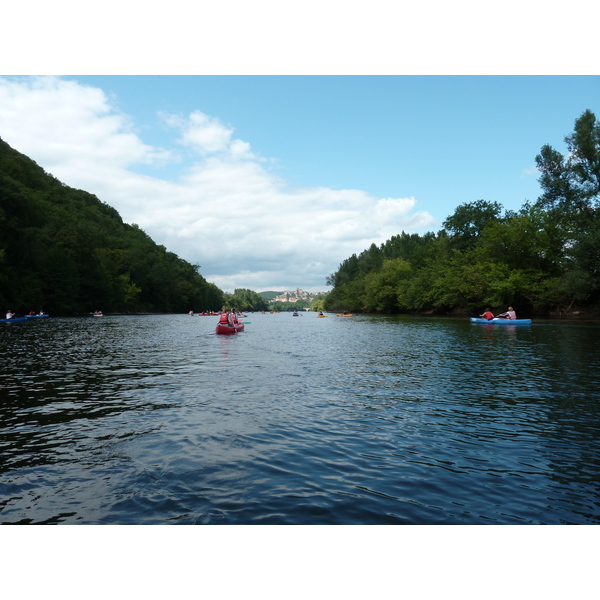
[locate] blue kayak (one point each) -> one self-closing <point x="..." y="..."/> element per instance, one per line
<point x="501" y="321"/>
<point x="14" y="320"/>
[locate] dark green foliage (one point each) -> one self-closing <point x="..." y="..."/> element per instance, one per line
<point x="65" y="251"/>
<point x="299" y="304"/>
<point x="246" y="300"/>
<point x="268" y="296"/>
<point x="470" y="220"/>
<point x="545" y="257"/>
<point x="571" y="195"/>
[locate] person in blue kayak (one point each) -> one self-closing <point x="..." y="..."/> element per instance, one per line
<point x="509" y="314"/>
<point x="488" y="314"/>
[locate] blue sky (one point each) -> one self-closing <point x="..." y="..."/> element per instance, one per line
<point x="270" y="182"/>
<point x="443" y="139"/>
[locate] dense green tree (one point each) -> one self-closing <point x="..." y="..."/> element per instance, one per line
<point x="545" y="256"/>
<point x="67" y="252"/>
<point x="318" y="303"/>
<point x="413" y="248"/>
<point x="381" y="288"/>
<point x="370" y="260"/>
<point x="299" y="304"/>
<point x="469" y="220"/>
<point x="528" y="240"/>
<point x="571" y="186"/>
<point x="246" y="300"/>
<point x="345" y="273"/>
<point x="584" y="150"/>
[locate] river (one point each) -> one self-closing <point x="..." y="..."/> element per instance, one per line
<point x="299" y="420"/>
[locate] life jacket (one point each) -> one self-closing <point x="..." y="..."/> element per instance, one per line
<point x="224" y="320"/>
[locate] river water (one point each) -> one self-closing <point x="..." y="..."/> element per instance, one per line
<point x="299" y="420"/>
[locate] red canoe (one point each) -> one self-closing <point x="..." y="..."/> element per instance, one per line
<point x="228" y="329"/>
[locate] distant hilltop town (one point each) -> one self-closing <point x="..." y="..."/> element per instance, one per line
<point x="297" y="295"/>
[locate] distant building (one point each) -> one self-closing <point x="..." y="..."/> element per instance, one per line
<point x="297" y="295"/>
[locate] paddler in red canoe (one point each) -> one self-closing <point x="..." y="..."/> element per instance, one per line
<point x="226" y="318"/>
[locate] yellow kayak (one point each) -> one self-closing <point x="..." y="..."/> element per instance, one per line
<point x="344" y="315"/>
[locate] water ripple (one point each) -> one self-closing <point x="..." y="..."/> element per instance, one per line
<point x="375" y="420"/>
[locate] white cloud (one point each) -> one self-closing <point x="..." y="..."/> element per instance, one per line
<point x="69" y="125"/>
<point x="530" y="171"/>
<point x="244" y="225"/>
<point x="201" y="132"/>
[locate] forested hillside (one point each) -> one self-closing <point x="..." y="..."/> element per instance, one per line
<point x="543" y="259"/>
<point x="63" y="250"/>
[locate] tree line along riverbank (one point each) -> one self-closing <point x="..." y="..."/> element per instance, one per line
<point x="543" y="259"/>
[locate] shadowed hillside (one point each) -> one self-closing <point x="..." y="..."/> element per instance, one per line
<point x="64" y="250"/>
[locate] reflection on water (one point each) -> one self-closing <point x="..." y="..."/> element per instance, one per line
<point x="371" y="420"/>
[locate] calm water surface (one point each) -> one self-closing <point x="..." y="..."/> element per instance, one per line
<point x="298" y="420"/>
